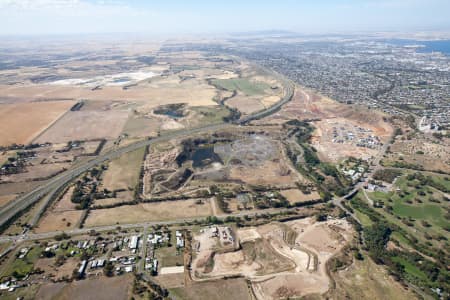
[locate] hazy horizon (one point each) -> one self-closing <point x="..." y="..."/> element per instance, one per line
<point x="61" y="17"/>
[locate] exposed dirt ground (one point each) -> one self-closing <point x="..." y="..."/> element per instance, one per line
<point x="57" y="272"/>
<point x="307" y="105"/>
<point x="277" y="267"/>
<point x="37" y="171"/>
<point x="158" y="211"/>
<point x="366" y="280"/>
<point x="20" y="123"/>
<point x="118" y="287"/>
<point x="59" y="220"/>
<point x="5" y="199"/>
<point x="85" y="125"/>
<point x="297" y="196"/>
<point x="229" y="289"/>
<point x="435" y="157"/>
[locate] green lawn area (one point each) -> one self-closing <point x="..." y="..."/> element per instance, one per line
<point x="244" y="85"/>
<point x="413" y="202"/>
<point x="410" y="268"/>
<point x="365" y="220"/>
<point x="25" y="265"/>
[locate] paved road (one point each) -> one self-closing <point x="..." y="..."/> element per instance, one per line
<point x="23" y="202"/>
<point x="80" y="231"/>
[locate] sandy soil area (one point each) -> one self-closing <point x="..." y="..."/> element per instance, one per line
<point x="171" y="270"/>
<point x="248" y="235"/>
<point x="20" y="123"/>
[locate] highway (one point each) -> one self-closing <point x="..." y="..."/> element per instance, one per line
<point x="20" y="204"/>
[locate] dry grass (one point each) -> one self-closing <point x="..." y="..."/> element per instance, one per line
<point x="38" y="171"/>
<point x="270" y="172"/>
<point x="59" y="220"/>
<point x="229" y="289"/>
<point x="20" y="123"/>
<point x="146" y="212"/>
<point x="5" y="199"/>
<point x="366" y="280"/>
<point x="118" y="287"/>
<point x="297" y="196"/>
<point x="123" y="173"/>
<point x="85" y="125"/>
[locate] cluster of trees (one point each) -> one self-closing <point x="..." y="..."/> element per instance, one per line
<point x="376" y="238"/>
<point x="428" y="180"/>
<point x="387" y="175"/>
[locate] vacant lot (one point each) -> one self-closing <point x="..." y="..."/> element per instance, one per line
<point x="5" y="199"/>
<point x="37" y="172"/>
<point x="20" y="123"/>
<point x="366" y="280"/>
<point x="229" y="289"/>
<point x="138" y="126"/>
<point x="123" y="173"/>
<point x="59" y="220"/>
<point x="246" y="105"/>
<point x="102" y="288"/>
<point x="158" y="211"/>
<point x="270" y="172"/>
<point x="297" y="196"/>
<point x="85" y="125"/>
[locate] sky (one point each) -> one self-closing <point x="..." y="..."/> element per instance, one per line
<point x="172" y="17"/>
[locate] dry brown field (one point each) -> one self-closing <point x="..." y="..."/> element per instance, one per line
<point x="147" y="212"/>
<point x="297" y="196"/>
<point x="229" y="289"/>
<point x="18" y="187"/>
<point x="367" y="280"/>
<point x="142" y="126"/>
<point x="123" y="173"/>
<point x="308" y="105"/>
<point x="435" y="157"/>
<point x="245" y="104"/>
<point x="48" y="266"/>
<point x="38" y="171"/>
<point x="278" y="267"/>
<point x="85" y="125"/>
<point x="59" y="221"/>
<point x="170" y="281"/>
<point x="20" y="123"/>
<point x="270" y="172"/>
<point x="65" y="203"/>
<point x="5" y="199"/>
<point x="102" y="288"/>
